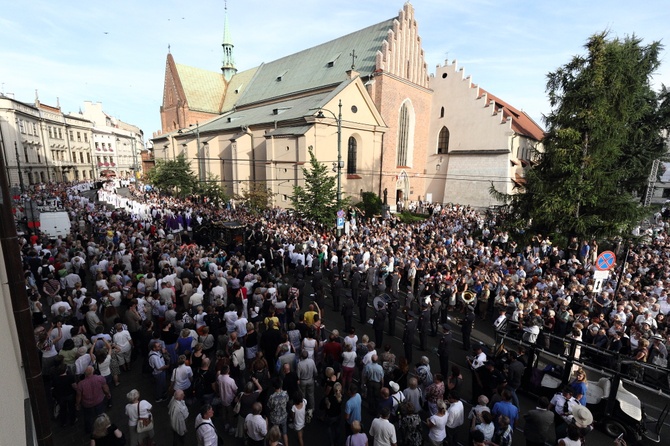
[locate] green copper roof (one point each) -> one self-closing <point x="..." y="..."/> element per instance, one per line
<point x="319" y="66"/>
<point x="227" y="40"/>
<point x="204" y="89"/>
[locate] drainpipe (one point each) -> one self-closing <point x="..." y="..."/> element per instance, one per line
<point x="381" y="167"/>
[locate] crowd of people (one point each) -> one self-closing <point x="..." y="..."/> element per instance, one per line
<point x="237" y="333"/>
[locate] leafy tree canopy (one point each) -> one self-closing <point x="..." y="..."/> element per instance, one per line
<point x="212" y="190"/>
<point x="606" y="127"/>
<point x="256" y="197"/>
<point x="174" y="176"/>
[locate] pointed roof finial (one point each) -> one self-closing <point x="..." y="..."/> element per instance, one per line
<point x="228" y="67"/>
<point x="353" y="59"/>
<point x="168" y="48"/>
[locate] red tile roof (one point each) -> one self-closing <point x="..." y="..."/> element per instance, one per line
<point x="521" y="122"/>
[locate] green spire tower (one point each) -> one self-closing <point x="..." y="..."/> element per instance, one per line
<point x="228" y="67"/>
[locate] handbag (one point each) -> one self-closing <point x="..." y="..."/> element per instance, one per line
<point x="238" y="404"/>
<point x="144" y="424"/>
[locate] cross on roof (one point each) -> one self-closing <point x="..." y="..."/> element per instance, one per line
<point x="353" y="59"/>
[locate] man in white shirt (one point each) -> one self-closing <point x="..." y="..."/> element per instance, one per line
<point x="382" y="431"/>
<point x="479" y="359"/>
<point x="205" y="431"/>
<point x="455" y="417"/>
<point x="256" y="425"/>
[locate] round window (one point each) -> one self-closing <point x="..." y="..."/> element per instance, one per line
<point x="354" y="109"/>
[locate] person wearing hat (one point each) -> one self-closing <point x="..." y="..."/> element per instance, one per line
<point x="423" y="325"/>
<point x="396" y="395"/>
<point x="466" y="326"/>
<point x="408" y="335"/>
<point x="658" y="352"/>
<point x="563" y="405"/>
<point x="378" y="323"/>
<point x="443" y="349"/>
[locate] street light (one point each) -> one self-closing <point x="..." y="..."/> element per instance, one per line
<point x="338" y="168"/>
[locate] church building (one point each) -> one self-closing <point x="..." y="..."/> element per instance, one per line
<point x="365" y="104"/>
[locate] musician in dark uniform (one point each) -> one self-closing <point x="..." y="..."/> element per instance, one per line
<point x="424" y="324"/>
<point x="348" y="312"/>
<point x="363" y="305"/>
<point x="443" y="349"/>
<point x="435" y="310"/>
<point x="408" y="335"/>
<point x="378" y="323"/>
<point x="338" y="292"/>
<point x="392" y="309"/>
<point x="466" y="326"/>
<point x="355" y="284"/>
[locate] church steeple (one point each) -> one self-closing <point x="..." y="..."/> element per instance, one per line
<point x="228" y="67"/>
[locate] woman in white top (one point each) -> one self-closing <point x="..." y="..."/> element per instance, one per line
<point x="298" y="412"/>
<point x="310" y="344"/>
<point x="437" y="424"/>
<point x="351" y="339"/>
<point x="136" y="409"/>
<point x="182" y="375"/>
<point x="348" y="364"/>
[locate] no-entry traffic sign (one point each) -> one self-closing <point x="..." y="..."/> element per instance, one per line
<point x="605" y="261"/>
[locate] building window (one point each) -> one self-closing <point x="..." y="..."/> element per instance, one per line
<point x="60" y="133"/>
<point x="51" y="132"/>
<point x="442" y="112"/>
<point x="85" y="137"/>
<point x="405" y="148"/>
<point x="443" y="141"/>
<point x="34" y="129"/>
<point x="81" y="157"/>
<point x="351" y="156"/>
<point x="79" y="136"/>
<point x="25" y="153"/>
<point x="71" y="135"/>
<point x="21" y="127"/>
<point x="88" y="158"/>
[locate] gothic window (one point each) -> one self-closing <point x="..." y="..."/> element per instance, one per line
<point x="404" y="148"/>
<point x="442" y="112"/>
<point x="443" y="141"/>
<point x="351" y="156"/>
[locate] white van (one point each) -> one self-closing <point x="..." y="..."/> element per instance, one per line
<point x="54" y="224"/>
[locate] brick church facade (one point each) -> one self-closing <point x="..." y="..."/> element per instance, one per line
<point x="385" y="110"/>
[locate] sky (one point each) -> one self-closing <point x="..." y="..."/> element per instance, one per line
<point x="115" y="52"/>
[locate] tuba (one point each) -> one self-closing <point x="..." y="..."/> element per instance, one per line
<point x="468" y="296"/>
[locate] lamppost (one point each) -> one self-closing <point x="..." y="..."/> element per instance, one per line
<point x="338" y="119"/>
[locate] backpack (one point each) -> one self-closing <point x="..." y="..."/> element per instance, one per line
<point x="425" y="376"/>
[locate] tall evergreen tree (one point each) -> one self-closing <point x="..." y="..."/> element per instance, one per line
<point x="606" y="127"/>
<point x="317" y="200"/>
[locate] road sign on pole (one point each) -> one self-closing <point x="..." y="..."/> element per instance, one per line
<point x="605" y="261"/>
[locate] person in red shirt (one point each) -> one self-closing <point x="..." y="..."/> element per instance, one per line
<point x="92" y="395"/>
<point x="332" y="350"/>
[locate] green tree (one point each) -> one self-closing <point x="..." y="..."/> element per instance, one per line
<point x="256" y="198"/>
<point x="317" y="200"/>
<point x="371" y="204"/>
<point x="604" y="131"/>
<point x="212" y="189"/>
<point x="174" y="177"/>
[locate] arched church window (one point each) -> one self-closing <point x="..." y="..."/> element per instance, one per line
<point x="443" y="141"/>
<point x="351" y="155"/>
